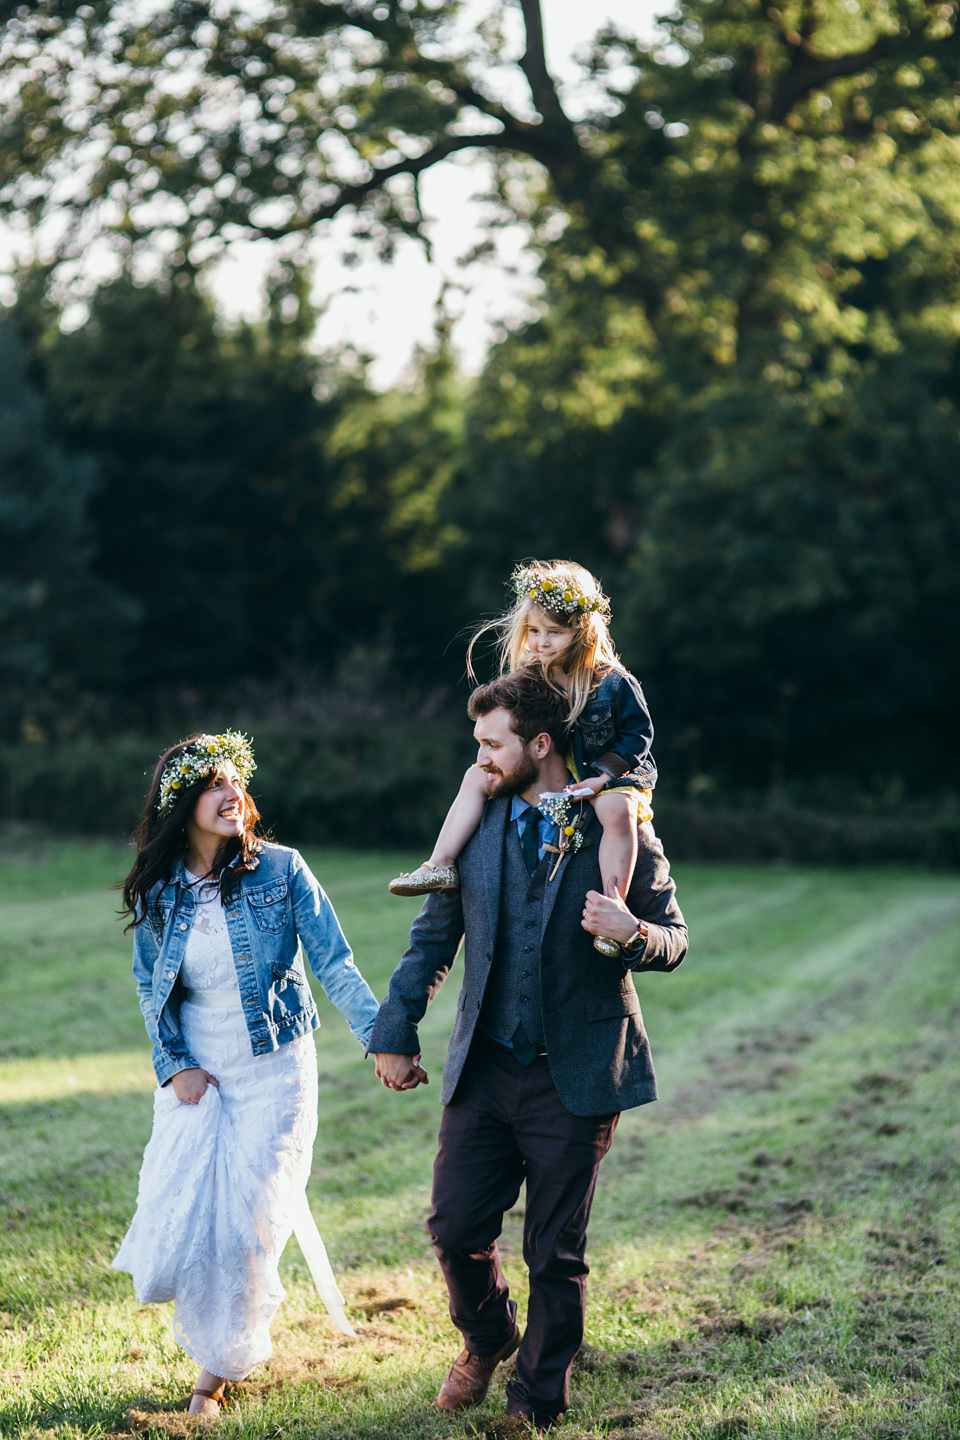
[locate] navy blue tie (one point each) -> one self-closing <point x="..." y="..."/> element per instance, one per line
<point x="530" y="838"/>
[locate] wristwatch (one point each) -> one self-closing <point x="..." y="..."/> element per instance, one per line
<point x="635" y="945"/>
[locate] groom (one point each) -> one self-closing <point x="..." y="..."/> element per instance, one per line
<point x="548" y="1047"/>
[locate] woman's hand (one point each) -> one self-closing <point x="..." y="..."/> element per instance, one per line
<point x="189" y="1085"/>
<point x="608" y="914"/>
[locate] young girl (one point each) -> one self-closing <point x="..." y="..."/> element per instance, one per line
<point x="559" y="621"/>
<point x="221" y="920"/>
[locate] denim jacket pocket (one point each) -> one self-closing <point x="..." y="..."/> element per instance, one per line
<point x="285" y="971"/>
<point x="597" y="731"/>
<point x="268" y="903"/>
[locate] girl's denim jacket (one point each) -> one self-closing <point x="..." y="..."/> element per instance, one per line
<point x="613" y="734"/>
<point x="276" y="913"/>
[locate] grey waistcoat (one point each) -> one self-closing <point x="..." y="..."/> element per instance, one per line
<point x="513" y="989"/>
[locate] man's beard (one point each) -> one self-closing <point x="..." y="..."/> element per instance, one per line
<point x="515" y="781"/>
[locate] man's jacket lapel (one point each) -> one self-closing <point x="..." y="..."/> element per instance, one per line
<point x="591" y="831"/>
<point x="493" y="824"/>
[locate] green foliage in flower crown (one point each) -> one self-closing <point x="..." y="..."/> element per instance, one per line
<point x="204" y="757"/>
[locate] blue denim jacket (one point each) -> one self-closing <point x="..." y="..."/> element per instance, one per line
<point x="276" y="914"/>
<point x="613" y="733"/>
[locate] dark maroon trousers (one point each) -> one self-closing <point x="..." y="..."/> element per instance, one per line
<point x="505" y="1126"/>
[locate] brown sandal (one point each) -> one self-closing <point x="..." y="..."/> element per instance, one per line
<point x="210" y="1395"/>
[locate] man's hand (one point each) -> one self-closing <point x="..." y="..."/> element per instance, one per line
<point x="189" y="1086"/>
<point x="401" y="1072"/>
<point x="608" y="914"/>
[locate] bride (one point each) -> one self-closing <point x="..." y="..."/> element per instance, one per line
<point x="221" y="920"/>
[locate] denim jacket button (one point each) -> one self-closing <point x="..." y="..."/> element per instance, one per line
<point x="169" y="974"/>
<point x="183" y="924"/>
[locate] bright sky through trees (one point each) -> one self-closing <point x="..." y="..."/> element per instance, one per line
<point x="385" y="310"/>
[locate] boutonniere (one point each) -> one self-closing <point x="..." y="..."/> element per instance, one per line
<point x="559" y="806"/>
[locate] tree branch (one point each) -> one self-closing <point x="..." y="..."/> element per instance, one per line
<point x="810" y="73"/>
<point x="533" y="63"/>
<point x="414" y="166"/>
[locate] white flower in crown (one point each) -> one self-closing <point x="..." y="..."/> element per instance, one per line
<point x="204" y="756"/>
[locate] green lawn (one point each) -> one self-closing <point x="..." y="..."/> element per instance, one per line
<point x="774" y="1245"/>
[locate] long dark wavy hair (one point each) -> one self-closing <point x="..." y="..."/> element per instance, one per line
<point x="161" y="840"/>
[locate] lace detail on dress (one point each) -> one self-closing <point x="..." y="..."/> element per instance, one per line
<point x="208" y="957"/>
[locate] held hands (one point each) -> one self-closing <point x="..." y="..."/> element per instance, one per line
<point x="401" y="1072"/>
<point x="189" y="1085"/>
<point x="607" y="914"/>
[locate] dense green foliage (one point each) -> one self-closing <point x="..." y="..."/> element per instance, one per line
<point x="774" y="1246"/>
<point x="739" y="402"/>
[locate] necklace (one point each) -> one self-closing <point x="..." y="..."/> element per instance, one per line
<point x="202" y="883"/>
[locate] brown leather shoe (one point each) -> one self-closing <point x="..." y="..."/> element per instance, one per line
<point x="469" y="1376"/>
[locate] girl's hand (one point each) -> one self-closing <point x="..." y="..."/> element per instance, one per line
<point x="189" y="1086"/>
<point x="593" y="783"/>
<point x="608" y="914"/>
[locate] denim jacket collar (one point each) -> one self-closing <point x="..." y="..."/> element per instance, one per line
<point x="179" y="876"/>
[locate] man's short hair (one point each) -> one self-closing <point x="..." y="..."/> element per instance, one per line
<point x="534" y="706"/>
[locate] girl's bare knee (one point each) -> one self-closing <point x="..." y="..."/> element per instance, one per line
<point x="616" y="813"/>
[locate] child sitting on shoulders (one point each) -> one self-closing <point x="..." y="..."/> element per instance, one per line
<point x="559" y="620"/>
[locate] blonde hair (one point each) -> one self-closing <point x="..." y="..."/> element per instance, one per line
<point x="582" y="608"/>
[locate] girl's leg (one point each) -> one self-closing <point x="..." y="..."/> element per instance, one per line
<point x="207" y="1394"/>
<point x="463" y="817"/>
<point x="617" y="814"/>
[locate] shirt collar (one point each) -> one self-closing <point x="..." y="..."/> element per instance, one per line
<point x="519" y="807"/>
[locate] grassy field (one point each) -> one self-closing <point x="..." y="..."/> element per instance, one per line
<point x="774" y="1245"/>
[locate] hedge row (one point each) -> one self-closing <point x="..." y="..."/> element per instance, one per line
<point x="377" y="783"/>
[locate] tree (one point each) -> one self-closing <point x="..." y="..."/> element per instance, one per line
<point x="185" y="125"/>
<point x="61" y="628"/>
<point x="262" y="509"/>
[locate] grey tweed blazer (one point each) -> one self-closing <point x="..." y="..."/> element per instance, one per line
<point x="597" y="1047"/>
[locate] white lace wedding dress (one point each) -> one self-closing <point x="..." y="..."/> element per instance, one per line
<point x="223" y="1182"/>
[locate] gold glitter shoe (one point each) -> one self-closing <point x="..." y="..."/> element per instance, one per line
<point x="425" y="879"/>
<point x="609" y="948"/>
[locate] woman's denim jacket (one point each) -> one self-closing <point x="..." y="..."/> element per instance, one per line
<point x="275" y="914"/>
<point x="613" y="734"/>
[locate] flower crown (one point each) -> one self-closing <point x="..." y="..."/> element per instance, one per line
<point x="560" y="596"/>
<point x="205" y="756"/>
